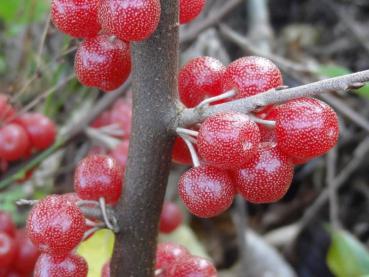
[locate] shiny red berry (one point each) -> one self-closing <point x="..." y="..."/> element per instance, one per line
<point x="306" y="128"/>
<point x="120" y="153"/>
<point x="206" y="191"/>
<point x="228" y="140"/>
<point x="55" y="225"/>
<point x="26" y="255"/>
<point x="200" y="78"/>
<point x="103" y="62"/>
<point x="40" y="129"/>
<point x="6" y="224"/>
<point x="77" y="18"/>
<point x="99" y="176"/>
<point x="180" y="152"/>
<point x="267" y="178"/>
<point x="70" y="266"/>
<point x="6" y="110"/>
<point x="190" y="9"/>
<point x="7" y="250"/>
<point x="171" y="217"/>
<point x="252" y="75"/>
<point x="130" y="19"/>
<point x="14" y="142"/>
<point x="167" y="256"/>
<point x="195" y="266"/>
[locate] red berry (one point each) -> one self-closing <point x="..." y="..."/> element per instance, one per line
<point x="252" y="75"/>
<point x="121" y="114"/>
<point x="40" y="129"/>
<point x="102" y="120"/>
<point x="120" y="153"/>
<point x="130" y="19"/>
<point x="77" y="18"/>
<point x="306" y="128"/>
<point x="168" y="255"/>
<point x="6" y="224"/>
<point x="105" y="272"/>
<point x="7" y="250"/>
<point x="190" y="9"/>
<point x="206" y="191"/>
<point x="195" y="266"/>
<point x="200" y="78"/>
<point x="71" y="266"/>
<point x="103" y="62"/>
<point x="171" y="217"/>
<point x="267" y="178"/>
<point x="55" y="225"/>
<point x="99" y="176"/>
<point x="14" y="142"/>
<point x="180" y="152"/>
<point x="228" y="140"/>
<point x="26" y="255"/>
<point x="6" y="110"/>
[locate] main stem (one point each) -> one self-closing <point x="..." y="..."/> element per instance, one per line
<point x="154" y="98"/>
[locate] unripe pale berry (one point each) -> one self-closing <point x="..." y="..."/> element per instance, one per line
<point x="306" y="128"/>
<point x="206" y="191"/>
<point x="228" y="140"/>
<point x="252" y="75"/>
<point x="267" y="178"/>
<point x="200" y="78"/>
<point x="99" y="176"/>
<point x="55" y="225"/>
<point x="195" y="266"/>
<point x="168" y="254"/>
<point x="171" y="217"/>
<point x="130" y="20"/>
<point x="14" y="142"/>
<point x="71" y="266"/>
<point x="77" y="18"/>
<point x="190" y="9"/>
<point x="103" y="62"/>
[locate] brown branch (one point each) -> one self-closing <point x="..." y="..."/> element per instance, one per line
<point x="154" y="110"/>
<point x="343" y="83"/>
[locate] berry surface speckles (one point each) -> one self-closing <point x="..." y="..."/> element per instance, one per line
<point x="266" y="179"/>
<point x="14" y="142"/>
<point x="190" y="9"/>
<point x="103" y="62"/>
<point x="206" y="191"/>
<point x="306" y="128"/>
<point x="200" y="78"/>
<point x="130" y="20"/>
<point x="70" y="266"/>
<point x="252" y="75"/>
<point x="99" y="176"/>
<point x="167" y="256"/>
<point x="228" y="140"/>
<point x="195" y="267"/>
<point x="77" y="18"/>
<point x="55" y="225"/>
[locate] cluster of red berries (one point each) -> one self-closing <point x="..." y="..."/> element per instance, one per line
<point x="238" y="155"/>
<point x="108" y="26"/>
<point x="56" y="224"/>
<point x="20" y="135"/>
<point x="18" y="255"/>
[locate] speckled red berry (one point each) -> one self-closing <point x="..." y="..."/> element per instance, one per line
<point x="267" y="178"/>
<point x="130" y="20"/>
<point x="200" y="78"/>
<point x="252" y="75"/>
<point x="228" y="140"/>
<point x="206" y="191"/>
<point x="40" y="129"/>
<point x="167" y="256"/>
<point x="55" y="225"/>
<point x="6" y="110"/>
<point x="103" y="62"/>
<point x="306" y="128"/>
<point x="6" y="224"/>
<point x="77" y="18"/>
<point x="171" y="217"/>
<point x="195" y="266"/>
<point x="99" y="176"/>
<point x="14" y="142"/>
<point x="7" y="250"/>
<point x="70" y="266"/>
<point x="120" y="153"/>
<point x="190" y="9"/>
<point x="26" y="254"/>
<point x="180" y="152"/>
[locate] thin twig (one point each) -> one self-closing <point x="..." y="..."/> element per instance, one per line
<point x="191" y="148"/>
<point x="333" y="198"/>
<point x="210" y="100"/>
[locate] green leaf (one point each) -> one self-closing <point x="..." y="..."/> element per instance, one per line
<point x="97" y="250"/>
<point x="331" y="71"/>
<point x="347" y="256"/>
